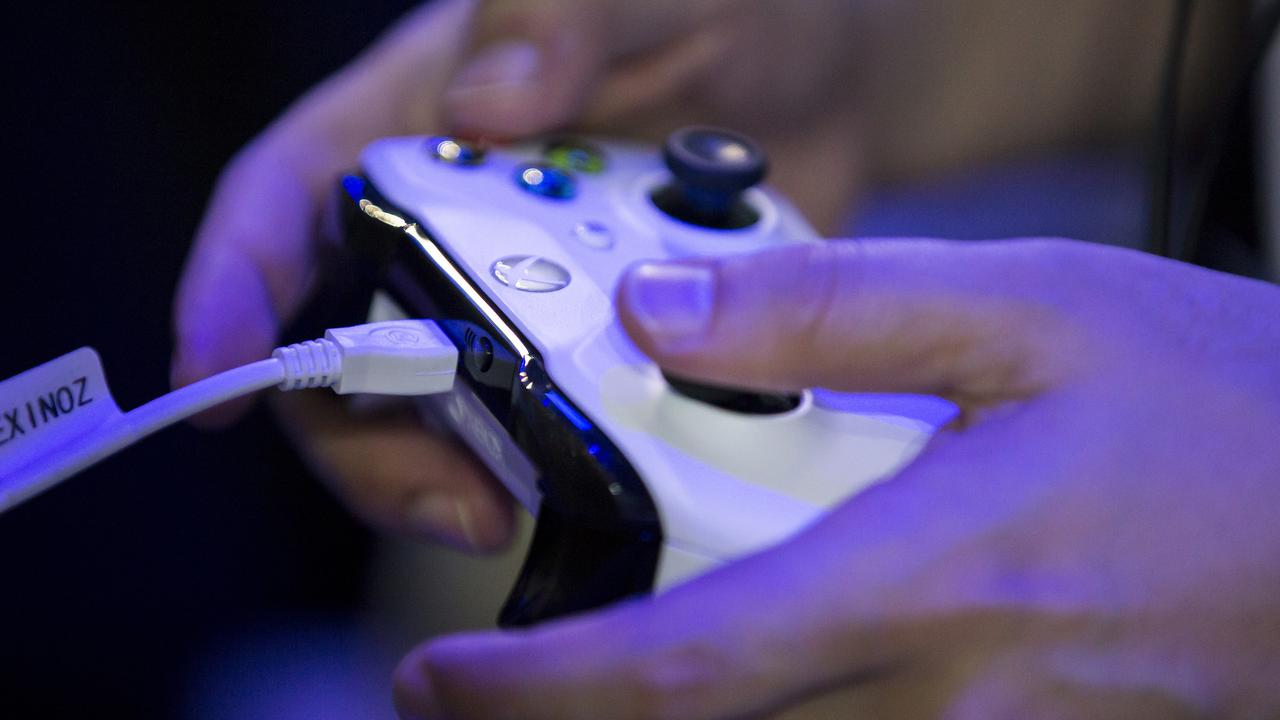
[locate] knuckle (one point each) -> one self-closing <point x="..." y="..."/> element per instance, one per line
<point x="683" y="682"/>
<point x="821" y="285"/>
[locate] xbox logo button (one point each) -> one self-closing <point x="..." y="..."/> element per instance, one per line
<point x="530" y="273"/>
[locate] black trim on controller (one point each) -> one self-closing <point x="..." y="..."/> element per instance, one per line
<point x="598" y="534"/>
<point x="738" y="400"/>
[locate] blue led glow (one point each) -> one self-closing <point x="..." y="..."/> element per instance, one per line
<point x="571" y="414"/>
<point x="547" y="181"/>
<point x="354" y="185"/>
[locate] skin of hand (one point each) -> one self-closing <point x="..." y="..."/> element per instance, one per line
<point x="1098" y="535"/>
<point x="835" y="90"/>
<point x="501" y="68"/>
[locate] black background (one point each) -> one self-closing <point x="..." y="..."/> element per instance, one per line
<point x="118" y="120"/>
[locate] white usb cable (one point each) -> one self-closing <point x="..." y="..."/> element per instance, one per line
<point x="59" y="418"/>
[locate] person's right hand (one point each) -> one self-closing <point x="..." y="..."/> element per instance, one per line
<point x="1098" y="536"/>
<point x="504" y="68"/>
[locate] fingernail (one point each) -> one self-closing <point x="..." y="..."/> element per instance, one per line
<point x="438" y="515"/>
<point x="500" y="66"/>
<point x="672" y="302"/>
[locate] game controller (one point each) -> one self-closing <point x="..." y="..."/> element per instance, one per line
<point x="637" y="480"/>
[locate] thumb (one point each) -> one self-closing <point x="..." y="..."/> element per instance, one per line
<point x="976" y="322"/>
<point x="531" y="69"/>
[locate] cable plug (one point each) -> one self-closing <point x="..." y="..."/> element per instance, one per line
<point x="404" y="357"/>
<point x="79" y="423"/>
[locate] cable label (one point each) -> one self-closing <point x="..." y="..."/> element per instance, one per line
<point x="50" y="405"/>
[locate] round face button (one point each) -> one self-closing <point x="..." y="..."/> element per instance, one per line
<point x="594" y="234"/>
<point x="530" y="273"/>
<point x="574" y="155"/>
<point x="547" y="181"/>
<point x="455" y="152"/>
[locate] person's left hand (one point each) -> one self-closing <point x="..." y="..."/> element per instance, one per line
<point x="1098" y="536"/>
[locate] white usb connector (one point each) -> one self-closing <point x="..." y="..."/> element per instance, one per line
<point x="60" y="418"/>
<point x="406" y="357"/>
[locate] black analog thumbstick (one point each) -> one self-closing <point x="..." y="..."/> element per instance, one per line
<point x="711" y="169"/>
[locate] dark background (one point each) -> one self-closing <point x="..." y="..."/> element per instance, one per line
<point x="118" y="119"/>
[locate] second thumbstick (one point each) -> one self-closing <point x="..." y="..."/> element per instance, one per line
<point x="711" y="169"/>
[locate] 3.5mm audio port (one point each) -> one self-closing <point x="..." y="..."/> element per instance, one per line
<point x="479" y="352"/>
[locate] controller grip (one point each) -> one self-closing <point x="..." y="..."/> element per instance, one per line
<point x="573" y="565"/>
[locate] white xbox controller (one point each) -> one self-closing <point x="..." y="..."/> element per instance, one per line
<point x="638" y="480"/>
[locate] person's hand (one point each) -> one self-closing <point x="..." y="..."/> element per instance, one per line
<point x="797" y="77"/>
<point x="1097" y="536"/>
<point x="502" y="68"/>
<point x="253" y="263"/>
